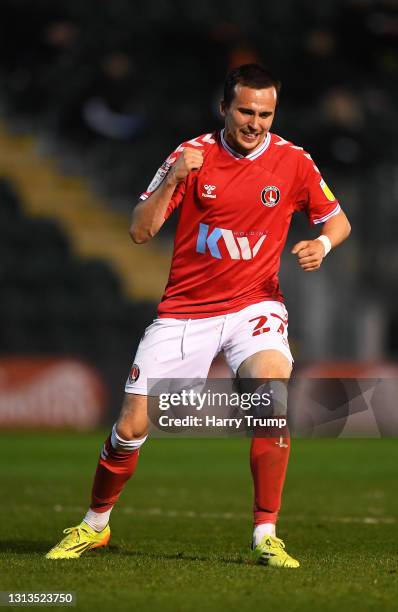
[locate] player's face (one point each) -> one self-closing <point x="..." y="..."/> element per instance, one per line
<point x="249" y="117"/>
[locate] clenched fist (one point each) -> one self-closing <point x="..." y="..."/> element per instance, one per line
<point x="309" y="254"/>
<point x="190" y="159"/>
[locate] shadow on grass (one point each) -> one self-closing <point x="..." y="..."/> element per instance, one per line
<point x="21" y="547"/>
<point x="24" y="546"/>
<point x="139" y="554"/>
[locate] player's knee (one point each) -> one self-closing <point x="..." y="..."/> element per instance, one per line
<point x="132" y="424"/>
<point x="270" y="364"/>
<point x="128" y="439"/>
<point x="267" y="397"/>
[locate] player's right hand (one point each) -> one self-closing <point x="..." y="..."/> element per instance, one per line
<point x="190" y="159"/>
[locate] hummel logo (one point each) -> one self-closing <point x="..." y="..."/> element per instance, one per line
<point x="209" y="189"/>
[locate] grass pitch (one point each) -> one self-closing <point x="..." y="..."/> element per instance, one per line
<point x="181" y="532"/>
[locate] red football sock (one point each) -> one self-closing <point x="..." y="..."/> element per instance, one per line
<point x="113" y="471"/>
<point x="268" y="461"/>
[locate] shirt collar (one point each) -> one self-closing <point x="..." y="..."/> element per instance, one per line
<point x="253" y="155"/>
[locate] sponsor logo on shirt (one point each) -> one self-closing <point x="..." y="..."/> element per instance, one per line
<point x="238" y="247"/>
<point x="270" y="196"/>
<point x="209" y="191"/>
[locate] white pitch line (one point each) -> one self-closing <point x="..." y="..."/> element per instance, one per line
<point x="193" y="514"/>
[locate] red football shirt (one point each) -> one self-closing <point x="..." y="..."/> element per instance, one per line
<point x="235" y="214"/>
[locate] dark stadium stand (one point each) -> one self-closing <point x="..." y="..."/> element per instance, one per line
<point x="84" y="76"/>
<point x="52" y="301"/>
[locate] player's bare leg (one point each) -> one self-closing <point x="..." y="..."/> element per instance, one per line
<point x="268" y="460"/>
<point x="266" y="364"/>
<point x="132" y="423"/>
<point x="116" y="464"/>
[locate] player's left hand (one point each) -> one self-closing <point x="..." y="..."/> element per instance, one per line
<point x="310" y="254"/>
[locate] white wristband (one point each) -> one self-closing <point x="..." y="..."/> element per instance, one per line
<point x="327" y="245"/>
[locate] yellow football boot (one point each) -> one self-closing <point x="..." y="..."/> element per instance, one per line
<point x="78" y="540"/>
<point x="271" y="551"/>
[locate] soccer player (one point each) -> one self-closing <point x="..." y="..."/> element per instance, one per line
<point x="236" y="191"/>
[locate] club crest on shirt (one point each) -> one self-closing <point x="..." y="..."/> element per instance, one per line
<point x="270" y="196"/>
<point x="134" y="373"/>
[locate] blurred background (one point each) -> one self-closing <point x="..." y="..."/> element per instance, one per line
<point x="94" y="95"/>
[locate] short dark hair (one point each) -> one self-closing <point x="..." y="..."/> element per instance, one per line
<point x="249" y="75"/>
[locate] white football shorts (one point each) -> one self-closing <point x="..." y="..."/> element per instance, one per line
<point x="185" y="348"/>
